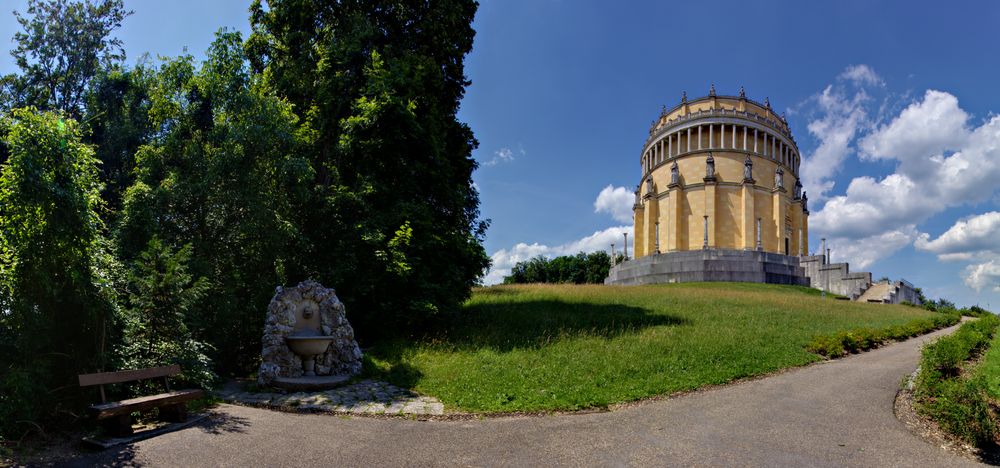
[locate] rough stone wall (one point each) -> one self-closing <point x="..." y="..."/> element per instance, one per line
<point x="342" y="357"/>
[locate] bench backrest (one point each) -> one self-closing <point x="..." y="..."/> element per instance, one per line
<point x="103" y="378"/>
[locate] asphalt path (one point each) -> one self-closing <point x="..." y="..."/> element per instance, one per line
<point x="837" y="413"/>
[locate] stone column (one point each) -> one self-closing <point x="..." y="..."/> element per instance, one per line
<point x="747" y="216"/>
<point x="689" y="139"/>
<point x="674" y="222"/>
<point x="640" y="217"/>
<point x="755" y="140"/>
<point x="778" y="209"/>
<point x="656" y="244"/>
<point x="670" y="147"/>
<point x="711" y="136"/>
<point x="710" y="195"/>
<point x="759" y="246"/>
<point x="745" y="131"/>
<point x="804" y="229"/>
<point x="699" y="137"/>
<point x="651" y="223"/>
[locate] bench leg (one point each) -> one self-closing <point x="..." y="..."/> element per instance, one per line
<point x="119" y="426"/>
<point x="174" y="413"/>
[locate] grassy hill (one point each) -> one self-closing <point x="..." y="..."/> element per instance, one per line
<point x="563" y="347"/>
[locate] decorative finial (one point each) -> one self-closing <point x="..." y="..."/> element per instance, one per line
<point x="783" y="119"/>
<point x="767" y="102"/>
<point x="711" y="91"/>
<point x="684" y="97"/>
<point x="663" y="110"/>
<point x="743" y="93"/>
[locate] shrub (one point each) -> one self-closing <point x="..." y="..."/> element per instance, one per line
<point x="962" y="406"/>
<point x="863" y="339"/>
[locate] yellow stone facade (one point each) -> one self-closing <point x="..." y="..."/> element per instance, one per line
<point x="684" y="204"/>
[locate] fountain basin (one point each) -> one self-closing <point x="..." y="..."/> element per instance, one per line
<point x="307" y="347"/>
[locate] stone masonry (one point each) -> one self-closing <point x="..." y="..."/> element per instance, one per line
<point x="343" y="357"/>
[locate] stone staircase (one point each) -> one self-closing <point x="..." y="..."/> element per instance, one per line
<point x="883" y="291"/>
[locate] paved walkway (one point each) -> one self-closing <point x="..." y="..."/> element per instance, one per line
<point x="831" y="414"/>
<point x="364" y="397"/>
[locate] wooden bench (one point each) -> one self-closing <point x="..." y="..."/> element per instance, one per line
<point x="117" y="415"/>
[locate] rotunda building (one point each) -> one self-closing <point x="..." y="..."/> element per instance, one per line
<point x="720" y="180"/>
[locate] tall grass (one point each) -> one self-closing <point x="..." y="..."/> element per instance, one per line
<point x="563" y="347"/>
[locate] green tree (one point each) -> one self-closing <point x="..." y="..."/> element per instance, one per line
<point x="117" y="111"/>
<point x="63" y="45"/>
<point x="162" y="293"/>
<point x="53" y="265"/>
<point x="376" y="86"/>
<point x="578" y="269"/>
<point x="222" y="177"/>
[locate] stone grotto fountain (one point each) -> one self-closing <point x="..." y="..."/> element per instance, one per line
<point x="308" y="343"/>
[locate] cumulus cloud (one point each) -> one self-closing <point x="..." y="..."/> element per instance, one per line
<point x="505" y="259"/>
<point x="975" y="239"/>
<point x="862" y="75"/>
<point x="983" y="275"/>
<point x="840" y="115"/>
<point x="921" y="131"/>
<point x="949" y="165"/>
<point x="966" y="237"/>
<point x="862" y="253"/>
<point x="615" y="201"/>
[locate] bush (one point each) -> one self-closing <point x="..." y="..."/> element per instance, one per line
<point x="944" y="357"/>
<point x="962" y="406"/>
<point x="863" y="339"/>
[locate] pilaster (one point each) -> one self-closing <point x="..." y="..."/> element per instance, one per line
<point x="748" y="217"/>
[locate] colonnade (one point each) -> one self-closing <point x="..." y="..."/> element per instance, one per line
<point x="720" y="136"/>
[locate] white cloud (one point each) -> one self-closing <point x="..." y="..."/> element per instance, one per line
<point x="926" y="181"/>
<point x="502" y="155"/>
<point x="862" y="253"/>
<point x="841" y="115"/>
<point x="924" y="129"/>
<point x="616" y="201"/>
<point x="965" y="238"/>
<point x="975" y="239"/>
<point x="983" y="275"/>
<point x="505" y="259"/>
<point x="862" y="75"/>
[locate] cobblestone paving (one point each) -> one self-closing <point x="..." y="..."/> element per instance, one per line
<point x="364" y="397"/>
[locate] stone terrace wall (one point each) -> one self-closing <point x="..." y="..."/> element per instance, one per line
<point x="835" y="277"/>
<point x="906" y="292"/>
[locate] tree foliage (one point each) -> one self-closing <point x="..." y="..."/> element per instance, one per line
<point x="393" y="218"/>
<point x="326" y="146"/>
<point x="579" y="269"/>
<point x="220" y="175"/>
<point x="62" y="46"/>
<point x="53" y="259"/>
<point x="162" y="294"/>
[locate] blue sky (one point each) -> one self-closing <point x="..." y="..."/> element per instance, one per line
<point x="891" y="103"/>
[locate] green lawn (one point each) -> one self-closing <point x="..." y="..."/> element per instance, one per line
<point x="564" y="347"/>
